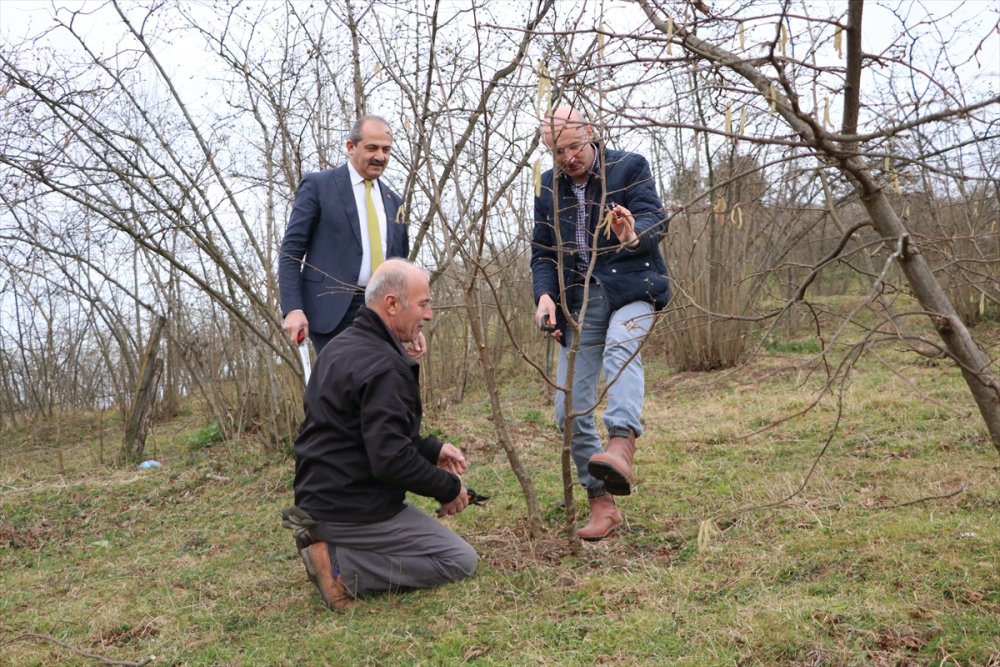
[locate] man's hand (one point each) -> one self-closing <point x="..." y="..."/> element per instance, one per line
<point x="418" y="346"/>
<point x="623" y="225"/>
<point x="455" y="506"/>
<point x="296" y="326"/>
<point x="452" y="459"/>
<point x="546" y="311"/>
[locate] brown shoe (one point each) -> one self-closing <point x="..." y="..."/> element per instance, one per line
<point x="604" y="519"/>
<point x="614" y="466"/>
<point x="320" y="570"/>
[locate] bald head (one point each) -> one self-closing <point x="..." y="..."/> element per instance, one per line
<point x="560" y="120"/>
<point x="400" y="293"/>
<point x="392" y="276"/>
<point x="568" y="135"/>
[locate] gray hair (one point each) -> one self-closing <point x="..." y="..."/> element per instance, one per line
<point x="390" y="278"/>
<point x="355" y="134"/>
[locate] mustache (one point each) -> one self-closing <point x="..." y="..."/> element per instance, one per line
<point x="377" y="163"/>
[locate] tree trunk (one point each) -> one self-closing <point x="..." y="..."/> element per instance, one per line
<point x="535" y="524"/>
<point x="973" y="361"/>
<point x="975" y="365"/>
<point x="145" y="398"/>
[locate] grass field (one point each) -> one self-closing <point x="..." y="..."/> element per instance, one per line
<point x="890" y="555"/>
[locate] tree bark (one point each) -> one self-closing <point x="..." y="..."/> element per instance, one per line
<point x="972" y="360"/>
<point x="145" y="398"/>
<point x="852" y="81"/>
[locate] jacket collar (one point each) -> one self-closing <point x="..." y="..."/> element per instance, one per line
<point x="370" y="321"/>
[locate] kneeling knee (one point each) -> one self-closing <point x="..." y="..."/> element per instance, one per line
<point x="465" y="563"/>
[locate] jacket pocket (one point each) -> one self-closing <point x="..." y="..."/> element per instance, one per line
<point x="636" y="279"/>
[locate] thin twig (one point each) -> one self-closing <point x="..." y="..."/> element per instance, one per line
<point x="924" y="499"/>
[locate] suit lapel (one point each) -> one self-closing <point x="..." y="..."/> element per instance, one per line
<point x="342" y="188"/>
<point x="393" y="228"/>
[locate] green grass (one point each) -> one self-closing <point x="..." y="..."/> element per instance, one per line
<point x="806" y="346"/>
<point x="889" y="556"/>
<point x="205" y="437"/>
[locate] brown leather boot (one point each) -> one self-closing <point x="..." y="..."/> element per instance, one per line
<point x="604" y="519"/>
<point x="614" y="466"/>
<point x="331" y="587"/>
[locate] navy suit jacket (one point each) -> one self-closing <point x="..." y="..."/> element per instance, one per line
<point x="626" y="275"/>
<point x="321" y="252"/>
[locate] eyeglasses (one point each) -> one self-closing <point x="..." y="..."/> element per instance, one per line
<point x="570" y="150"/>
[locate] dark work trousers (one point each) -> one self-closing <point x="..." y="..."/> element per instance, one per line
<point x="410" y="550"/>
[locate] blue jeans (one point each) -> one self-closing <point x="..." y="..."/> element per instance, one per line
<point x="607" y="341"/>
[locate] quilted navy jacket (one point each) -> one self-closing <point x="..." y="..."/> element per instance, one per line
<point x="626" y="275"/>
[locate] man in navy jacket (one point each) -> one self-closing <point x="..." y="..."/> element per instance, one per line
<point x="360" y="451"/>
<point x="598" y="222"/>
<point x="327" y="253"/>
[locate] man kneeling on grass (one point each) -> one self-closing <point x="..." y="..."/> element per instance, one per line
<point x="360" y="450"/>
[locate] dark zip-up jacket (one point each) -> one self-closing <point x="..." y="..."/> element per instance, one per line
<point x="359" y="449"/>
<point x="626" y="275"/>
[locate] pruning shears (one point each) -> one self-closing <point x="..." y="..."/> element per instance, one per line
<point x="474" y="498"/>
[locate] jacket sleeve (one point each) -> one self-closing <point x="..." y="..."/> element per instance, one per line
<point x="643" y="202"/>
<point x="544" y="250"/>
<point x="430" y="448"/>
<point x="295" y="244"/>
<point x="395" y="457"/>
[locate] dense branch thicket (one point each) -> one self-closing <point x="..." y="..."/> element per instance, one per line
<point x="147" y="169"/>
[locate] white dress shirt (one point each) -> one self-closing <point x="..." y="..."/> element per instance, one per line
<point x="358" y="184"/>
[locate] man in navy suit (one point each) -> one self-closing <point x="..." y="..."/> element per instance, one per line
<point x="344" y="223"/>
